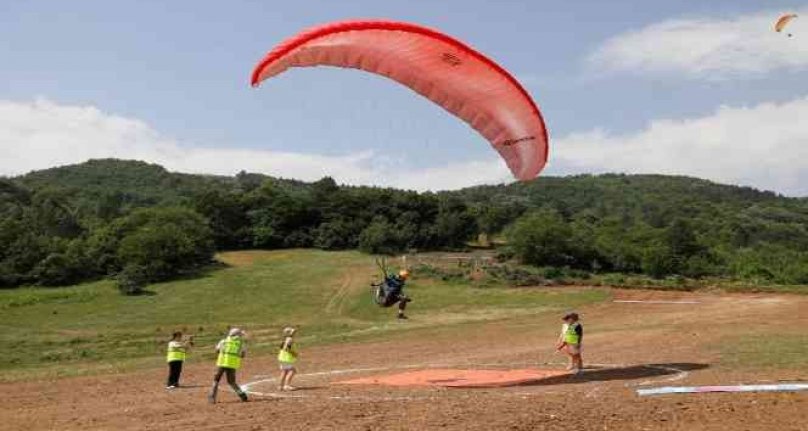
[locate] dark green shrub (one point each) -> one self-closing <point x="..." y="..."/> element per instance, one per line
<point x="132" y="280"/>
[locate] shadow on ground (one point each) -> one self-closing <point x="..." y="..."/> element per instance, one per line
<point x="632" y="372"/>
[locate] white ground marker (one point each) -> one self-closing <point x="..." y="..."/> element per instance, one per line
<point x="634" y="301"/>
<point x="676" y="374"/>
<point x="785" y="387"/>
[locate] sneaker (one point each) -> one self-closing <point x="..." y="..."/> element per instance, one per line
<point x="402" y="317"/>
<point x="211" y="400"/>
<point x="171" y="387"/>
<point x="289" y="388"/>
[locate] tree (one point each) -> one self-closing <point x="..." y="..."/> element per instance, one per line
<point x="53" y="215"/>
<point x="617" y="244"/>
<point x="492" y="217"/>
<point x="227" y="218"/>
<point x="454" y="224"/>
<point x="165" y="242"/>
<point x="132" y="280"/>
<point x="582" y="242"/>
<point x="339" y="234"/>
<point x="541" y="238"/>
<point x="281" y="217"/>
<point x="657" y="261"/>
<point x="381" y="237"/>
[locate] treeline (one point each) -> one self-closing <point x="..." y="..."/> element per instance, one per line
<point x="545" y="238"/>
<point x="141" y="223"/>
<point x="650" y="224"/>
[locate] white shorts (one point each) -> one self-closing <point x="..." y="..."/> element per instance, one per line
<point x="573" y="349"/>
<point x="286" y="366"/>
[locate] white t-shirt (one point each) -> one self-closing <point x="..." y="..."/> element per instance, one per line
<point x="178" y="345"/>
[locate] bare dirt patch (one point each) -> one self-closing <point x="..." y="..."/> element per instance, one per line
<point x="628" y="345"/>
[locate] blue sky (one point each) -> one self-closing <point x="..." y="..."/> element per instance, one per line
<point x="176" y="73"/>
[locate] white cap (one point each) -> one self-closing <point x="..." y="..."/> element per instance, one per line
<point x="235" y="332"/>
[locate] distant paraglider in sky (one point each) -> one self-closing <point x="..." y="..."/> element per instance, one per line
<point x="783" y="22"/>
<point x="445" y="70"/>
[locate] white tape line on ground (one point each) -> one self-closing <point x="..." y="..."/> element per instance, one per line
<point x="788" y="387"/>
<point x="678" y="375"/>
<point x="339" y="397"/>
<point x="246" y="386"/>
<point x="634" y="301"/>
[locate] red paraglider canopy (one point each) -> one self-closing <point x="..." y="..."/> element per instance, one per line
<point x="450" y="73"/>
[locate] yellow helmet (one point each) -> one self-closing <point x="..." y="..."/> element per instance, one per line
<point x="404" y="273"/>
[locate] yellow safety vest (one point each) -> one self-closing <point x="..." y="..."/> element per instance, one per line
<point x="287" y="355"/>
<point x="230" y="353"/>
<point x="175" y="353"/>
<point x="570" y="336"/>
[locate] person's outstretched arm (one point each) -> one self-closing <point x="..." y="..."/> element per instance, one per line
<point x="560" y="342"/>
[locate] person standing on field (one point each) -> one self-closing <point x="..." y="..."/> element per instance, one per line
<point x="175" y="356"/>
<point x="287" y="356"/>
<point x="572" y="334"/>
<point x="231" y="351"/>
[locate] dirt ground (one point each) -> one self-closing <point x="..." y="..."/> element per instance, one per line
<point x="628" y="345"/>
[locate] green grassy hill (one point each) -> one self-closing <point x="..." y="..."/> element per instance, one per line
<point x="153" y="183"/>
<point x="57" y="222"/>
<point x="91" y="328"/>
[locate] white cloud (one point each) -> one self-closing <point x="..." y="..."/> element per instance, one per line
<point x="43" y="134"/>
<point x="764" y="146"/>
<point x="708" y="48"/>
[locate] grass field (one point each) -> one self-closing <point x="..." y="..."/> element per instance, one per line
<point x="647" y="338"/>
<point x="92" y="328"/>
<point x="787" y="350"/>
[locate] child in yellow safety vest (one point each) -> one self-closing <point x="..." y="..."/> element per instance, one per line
<point x="569" y="342"/>
<point x="231" y="351"/>
<point x="287" y="356"/>
<point x="175" y="357"/>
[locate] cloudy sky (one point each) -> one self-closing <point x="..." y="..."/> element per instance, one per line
<point x="690" y="87"/>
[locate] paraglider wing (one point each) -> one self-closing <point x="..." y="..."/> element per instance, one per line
<point x="783" y="21"/>
<point x="450" y="73"/>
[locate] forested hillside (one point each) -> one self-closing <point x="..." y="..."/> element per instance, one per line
<point x="653" y="224"/>
<point x="142" y="223"/>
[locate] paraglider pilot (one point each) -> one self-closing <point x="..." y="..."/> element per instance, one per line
<point x="391" y="290"/>
<point x="395" y="292"/>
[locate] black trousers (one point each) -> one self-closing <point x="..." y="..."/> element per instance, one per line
<point x="174" y="371"/>
<point x="399" y="298"/>
<point x="231" y="380"/>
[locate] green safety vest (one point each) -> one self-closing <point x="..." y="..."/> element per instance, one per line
<point x="287" y="355"/>
<point x="230" y="353"/>
<point x="175" y="354"/>
<point x="570" y="336"/>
